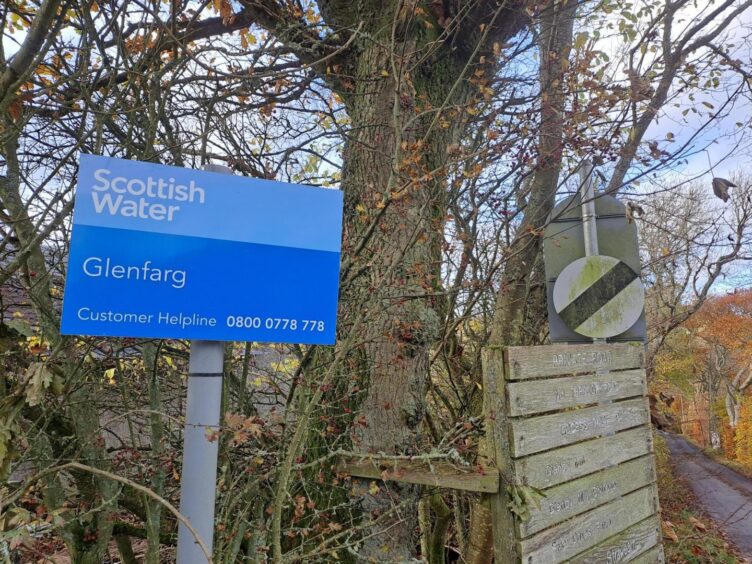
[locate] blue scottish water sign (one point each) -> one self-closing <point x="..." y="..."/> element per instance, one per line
<point x="161" y="251"/>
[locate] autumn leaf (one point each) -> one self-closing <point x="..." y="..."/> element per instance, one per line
<point x="669" y="532"/>
<point x="38" y="378"/>
<point x="15" y="109"/>
<point x="109" y="375"/>
<point x="242" y="428"/>
<point x="697" y="524"/>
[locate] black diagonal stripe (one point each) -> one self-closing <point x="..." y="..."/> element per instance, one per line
<point x="599" y="294"/>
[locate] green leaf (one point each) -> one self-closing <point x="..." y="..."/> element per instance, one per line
<point x="21" y="326"/>
<point x="6" y="434"/>
<point x="522" y="499"/>
<point x="580" y="40"/>
<point x="38" y="378"/>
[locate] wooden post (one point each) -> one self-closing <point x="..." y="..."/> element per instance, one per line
<point x="497" y="435"/>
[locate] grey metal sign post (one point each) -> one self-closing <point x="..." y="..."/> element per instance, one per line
<point x="198" y="481"/>
<point x="587" y="199"/>
<point x="581" y="229"/>
<point x="596" y="296"/>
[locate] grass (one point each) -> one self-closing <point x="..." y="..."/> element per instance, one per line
<point x="679" y="507"/>
<point x="718" y="456"/>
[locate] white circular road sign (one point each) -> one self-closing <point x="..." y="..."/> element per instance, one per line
<point x="598" y="296"/>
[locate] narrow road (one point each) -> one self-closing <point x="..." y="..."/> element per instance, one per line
<point x="724" y="494"/>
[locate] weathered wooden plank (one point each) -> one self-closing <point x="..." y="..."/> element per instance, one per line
<point x="496" y="448"/>
<point x="439" y="474"/>
<point x="636" y="544"/>
<point x="536" y="434"/>
<point x="652" y="556"/>
<point x="561" y="465"/>
<point x="530" y="397"/>
<point x="576" y="497"/>
<point x="580" y="533"/>
<point x="523" y="363"/>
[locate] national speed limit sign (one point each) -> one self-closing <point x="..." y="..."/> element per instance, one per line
<point x="598" y="296"/>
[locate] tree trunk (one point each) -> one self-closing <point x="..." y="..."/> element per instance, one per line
<point x="404" y="79"/>
<point x="401" y="269"/>
<point x="511" y="324"/>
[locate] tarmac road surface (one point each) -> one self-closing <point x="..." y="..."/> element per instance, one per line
<point x="724" y="494"/>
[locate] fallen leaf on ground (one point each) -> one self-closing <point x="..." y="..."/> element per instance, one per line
<point x="669" y="532"/>
<point x="699" y="525"/>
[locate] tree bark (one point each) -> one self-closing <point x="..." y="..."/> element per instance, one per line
<point x="405" y="67"/>
<point x="401" y="269"/>
<point x="395" y="207"/>
<point x="510" y="318"/>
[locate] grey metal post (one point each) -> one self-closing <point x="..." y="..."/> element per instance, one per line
<point x="198" y="482"/>
<point x="587" y="198"/>
<point x="587" y="207"/>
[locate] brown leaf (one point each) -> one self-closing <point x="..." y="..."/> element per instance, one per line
<point x="697" y="524"/>
<point x="669" y="532"/>
<point x="15" y="109"/>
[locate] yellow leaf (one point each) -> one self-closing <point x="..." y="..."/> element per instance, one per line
<point x="360" y="208"/>
<point x="47" y="70"/>
<point x="384" y="73"/>
<point x="109" y="375"/>
<point x="374" y="489"/>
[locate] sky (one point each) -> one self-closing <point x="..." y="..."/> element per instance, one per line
<point x="724" y="145"/>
